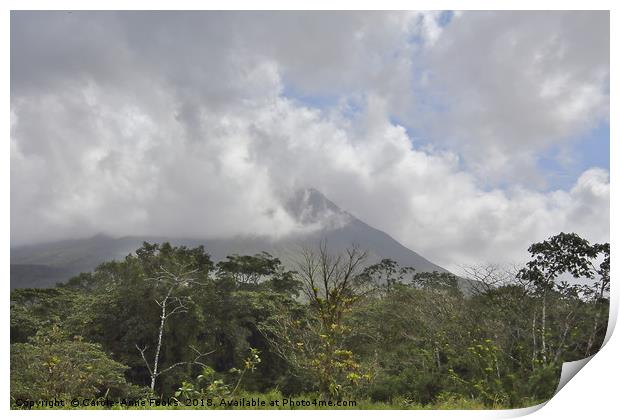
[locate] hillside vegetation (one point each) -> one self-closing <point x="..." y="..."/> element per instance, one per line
<point x="167" y="324"/>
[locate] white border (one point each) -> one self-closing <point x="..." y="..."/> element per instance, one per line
<point x="592" y="394"/>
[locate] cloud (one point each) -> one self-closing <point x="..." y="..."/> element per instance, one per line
<point x="179" y="124"/>
<point x="506" y="87"/>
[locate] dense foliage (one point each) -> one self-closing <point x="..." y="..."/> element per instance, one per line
<point x="170" y="323"/>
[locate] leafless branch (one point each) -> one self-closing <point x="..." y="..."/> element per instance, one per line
<point x="142" y="350"/>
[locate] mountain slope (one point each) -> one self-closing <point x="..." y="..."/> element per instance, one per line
<point x="43" y="265"/>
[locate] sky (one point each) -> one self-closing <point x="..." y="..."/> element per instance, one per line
<point x="466" y="136"/>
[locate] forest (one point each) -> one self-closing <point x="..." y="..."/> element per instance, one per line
<point x="169" y="326"/>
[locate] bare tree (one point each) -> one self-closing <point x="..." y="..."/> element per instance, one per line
<point x="328" y="280"/>
<point x="170" y="281"/>
<point x="314" y="342"/>
<point x="484" y="278"/>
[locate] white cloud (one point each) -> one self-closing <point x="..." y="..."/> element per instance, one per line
<point x="511" y="85"/>
<point x="179" y="125"/>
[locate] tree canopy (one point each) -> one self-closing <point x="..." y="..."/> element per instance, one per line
<point x="169" y="322"/>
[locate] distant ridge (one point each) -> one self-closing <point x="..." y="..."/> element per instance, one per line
<point x="44" y="265"/>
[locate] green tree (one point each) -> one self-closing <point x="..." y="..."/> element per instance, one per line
<point x="564" y="253"/>
<point x="150" y="300"/>
<point x="51" y="365"/>
<point x="249" y="269"/>
<point x="384" y="275"/>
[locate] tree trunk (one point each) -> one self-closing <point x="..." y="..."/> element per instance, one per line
<point x="159" y="340"/>
<point x="593" y="334"/>
<point x="543" y="320"/>
<point x="534" y="344"/>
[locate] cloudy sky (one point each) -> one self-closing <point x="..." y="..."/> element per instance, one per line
<point x="466" y="136"/>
